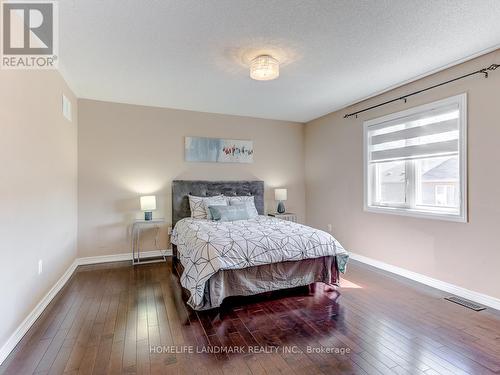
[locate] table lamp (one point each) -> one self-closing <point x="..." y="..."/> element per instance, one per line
<point x="280" y="195"/>
<point x="148" y="204"/>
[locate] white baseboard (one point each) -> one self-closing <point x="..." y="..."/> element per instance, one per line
<point x="35" y="313"/>
<point x="18" y="334"/>
<point x="477" y="297"/>
<point x="121" y="257"/>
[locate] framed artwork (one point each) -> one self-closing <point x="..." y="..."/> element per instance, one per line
<point x="199" y="149"/>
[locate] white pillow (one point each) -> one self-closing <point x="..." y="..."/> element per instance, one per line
<point x="248" y="201"/>
<point x="199" y="206"/>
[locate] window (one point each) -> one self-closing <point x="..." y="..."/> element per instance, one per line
<point x="445" y="196"/>
<point x="415" y="161"/>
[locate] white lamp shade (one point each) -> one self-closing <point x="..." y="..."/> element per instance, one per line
<point x="280" y="194"/>
<point x="148" y="203"/>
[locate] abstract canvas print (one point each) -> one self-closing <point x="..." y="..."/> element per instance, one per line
<point x="218" y="150"/>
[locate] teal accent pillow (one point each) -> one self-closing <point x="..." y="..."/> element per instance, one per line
<point x="209" y="212"/>
<point x="229" y="213"/>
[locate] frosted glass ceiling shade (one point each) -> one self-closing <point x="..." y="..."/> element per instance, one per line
<point x="264" y="68"/>
<point x="148" y="203"/>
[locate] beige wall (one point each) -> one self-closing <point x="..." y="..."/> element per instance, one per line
<point x="38" y="190"/>
<point x="468" y="254"/>
<point x="126" y="151"/>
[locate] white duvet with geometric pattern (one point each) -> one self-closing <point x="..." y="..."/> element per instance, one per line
<point x="204" y="247"/>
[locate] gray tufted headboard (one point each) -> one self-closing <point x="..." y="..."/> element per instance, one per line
<point x="182" y="188"/>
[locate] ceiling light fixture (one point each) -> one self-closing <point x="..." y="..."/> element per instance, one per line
<point x="264" y="68"/>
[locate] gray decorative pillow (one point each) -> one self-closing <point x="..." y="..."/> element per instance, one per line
<point x="248" y="201"/>
<point x="229" y="213"/>
<point x="198" y="205"/>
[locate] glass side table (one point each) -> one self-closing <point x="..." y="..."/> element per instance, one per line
<point x="288" y="216"/>
<point x="137" y="227"/>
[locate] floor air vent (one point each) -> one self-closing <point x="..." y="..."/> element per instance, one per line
<point x="466" y="303"/>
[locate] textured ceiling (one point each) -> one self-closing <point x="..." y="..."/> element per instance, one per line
<point x="193" y="54"/>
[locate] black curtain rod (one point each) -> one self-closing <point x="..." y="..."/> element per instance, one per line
<point x="404" y="97"/>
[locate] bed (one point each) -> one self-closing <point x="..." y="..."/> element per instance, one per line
<point x="216" y="260"/>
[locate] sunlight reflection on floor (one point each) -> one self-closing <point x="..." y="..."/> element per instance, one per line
<point x="348" y="284"/>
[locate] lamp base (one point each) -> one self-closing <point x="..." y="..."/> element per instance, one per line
<point x="148" y="215"/>
<point x="281" y="208"/>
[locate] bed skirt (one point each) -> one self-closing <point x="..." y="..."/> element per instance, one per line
<point x="265" y="278"/>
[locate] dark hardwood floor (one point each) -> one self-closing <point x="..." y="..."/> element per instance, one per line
<point x="117" y="319"/>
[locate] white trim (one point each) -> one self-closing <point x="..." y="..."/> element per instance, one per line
<point x="419" y="214"/>
<point x="462" y="217"/>
<point x="35" y="313"/>
<point x="21" y="330"/>
<point x="471" y="295"/>
<point x="121" y="257"/>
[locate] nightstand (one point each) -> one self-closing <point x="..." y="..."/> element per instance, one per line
<point x="137" y="227"/>
<point x="288" y="216"/>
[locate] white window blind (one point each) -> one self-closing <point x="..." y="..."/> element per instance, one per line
<point x="431" y="133"/>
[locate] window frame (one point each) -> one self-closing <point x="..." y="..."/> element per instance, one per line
<point x="406" y="210"/>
